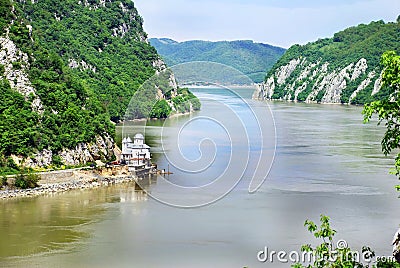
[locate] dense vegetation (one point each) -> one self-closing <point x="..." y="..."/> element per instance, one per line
<point x="345" y="47"/>
<point x="5" y="14"/>
<point x="16" y="138"/>
<point x="252" y="59"/>
<point x="86" y="59"/>
<point x="118" y="60"/>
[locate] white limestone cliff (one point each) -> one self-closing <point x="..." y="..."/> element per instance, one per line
<point x="318" y="79"/>
<point x="16" y="64"/>
<point x="101" y="149"/>
<point x="285" y="71"/>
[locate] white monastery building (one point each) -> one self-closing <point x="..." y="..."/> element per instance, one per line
<point x="136" y="154"/>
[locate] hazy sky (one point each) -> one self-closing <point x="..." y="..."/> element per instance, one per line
<point x="277" y="22"/>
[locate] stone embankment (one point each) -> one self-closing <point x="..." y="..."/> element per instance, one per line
<point x="79" y="181"/>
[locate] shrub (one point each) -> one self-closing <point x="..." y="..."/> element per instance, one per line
<point x="4" y="181"/>
<point x="57" y="161"/>
<point x="25" y="181"/>
<point x="11" y="164"/>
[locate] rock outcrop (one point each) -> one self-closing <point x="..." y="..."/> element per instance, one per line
<point x="16" y="64"/>
<point x="82" y="65"/>
<point x="161" y="69"/>
<point x="301" y="80"/>
<point x="101" y="149"/>
<point x="40" y="159"/>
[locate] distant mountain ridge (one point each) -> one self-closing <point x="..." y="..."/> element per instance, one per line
<point x="342" y="69"/>
<point x="252" y="59"/>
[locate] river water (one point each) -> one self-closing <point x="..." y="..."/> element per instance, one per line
<point x="326" y="162"/>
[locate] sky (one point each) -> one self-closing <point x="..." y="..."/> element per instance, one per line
<point x="277" y="22"/>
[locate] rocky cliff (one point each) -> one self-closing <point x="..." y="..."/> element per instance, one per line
<point x="342" y="69"/>
<point x="16" y="67"/>
<point x="66" y="69"/>
<point x="316" y="84"/>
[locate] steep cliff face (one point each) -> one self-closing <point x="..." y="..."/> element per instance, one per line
<point x="102" y="148"/>
<point x="66" y="69"/>
<point x="315" y="83"/>
<point x="15" y="64"/>
<point x="342" y="69"/>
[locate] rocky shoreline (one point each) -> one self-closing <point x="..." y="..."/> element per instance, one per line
<point x="74" y="184"/>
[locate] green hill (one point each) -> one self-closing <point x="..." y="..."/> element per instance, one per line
<point x="252" y="59"/>
<point x="67" y="68"/>
<point x="342" y="69"/>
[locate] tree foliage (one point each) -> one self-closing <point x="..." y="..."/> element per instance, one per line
<point x="5" y="14"/>
<point x="18" y="123"/>
<point x="388" y="110"/>
<point x="160" y="110"/>
<point x="337" y="254"/>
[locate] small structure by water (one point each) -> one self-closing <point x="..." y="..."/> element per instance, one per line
<point x="136" y="154"/>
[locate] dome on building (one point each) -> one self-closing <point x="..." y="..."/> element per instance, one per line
<point x="128" y="140"/>
<point x="139" y="136"/>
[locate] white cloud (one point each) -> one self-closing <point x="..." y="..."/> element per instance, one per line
<point x="263" y="21"/>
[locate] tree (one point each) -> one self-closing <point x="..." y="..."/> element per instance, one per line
<point x="160" y="110"/>
<point x="329" y="254"/>
<point x="388" y="110"/>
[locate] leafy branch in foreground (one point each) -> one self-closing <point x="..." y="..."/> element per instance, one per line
<point x="329" y="254"/>
<point x="388" y="110"/>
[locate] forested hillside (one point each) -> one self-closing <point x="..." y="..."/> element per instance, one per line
<point x="252" y="59"/>
<point x="67" y="68"/>
<point x="342" y="69"/>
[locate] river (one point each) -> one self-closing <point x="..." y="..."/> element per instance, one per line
<point x="326" y="162"/>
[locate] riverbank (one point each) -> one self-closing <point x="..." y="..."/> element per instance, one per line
<point x="79" y="180"/>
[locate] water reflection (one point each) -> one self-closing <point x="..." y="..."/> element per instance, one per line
<point x="57" y="223"/>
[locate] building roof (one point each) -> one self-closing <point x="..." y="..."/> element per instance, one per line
<point x="138" y="136"/>
<point x="130" y="147"/>
<point x="127" y="140"/>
